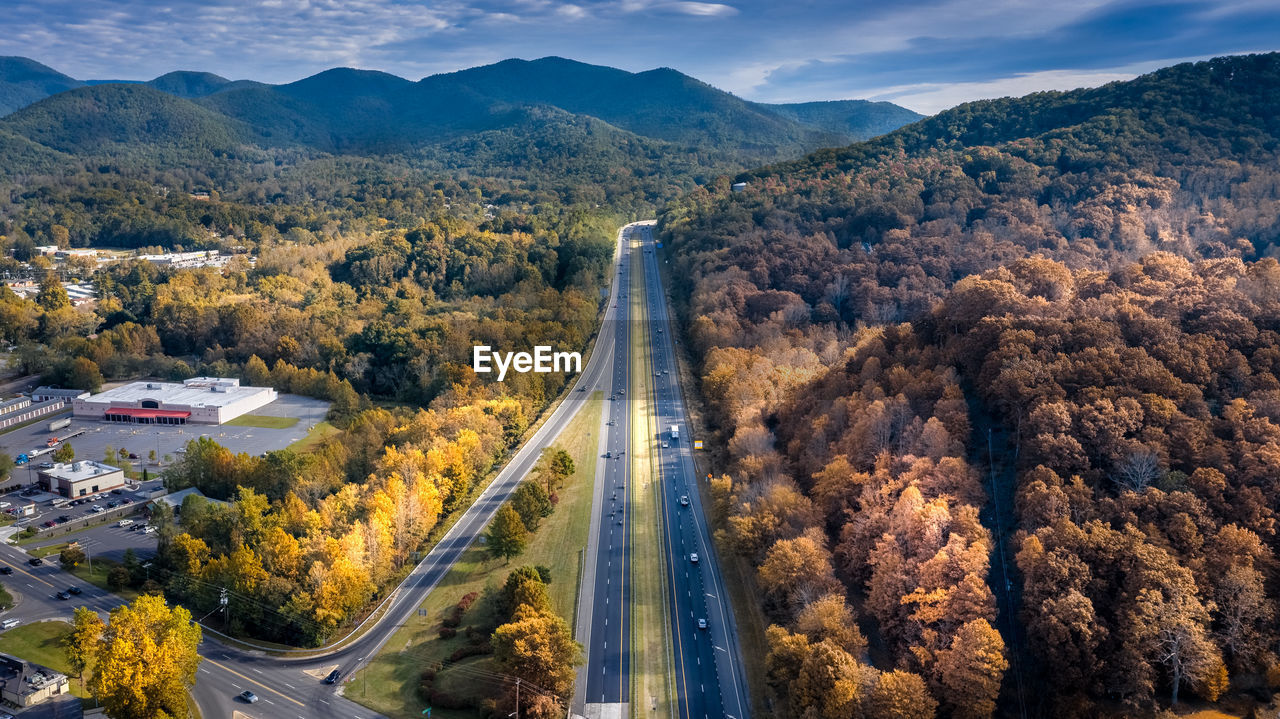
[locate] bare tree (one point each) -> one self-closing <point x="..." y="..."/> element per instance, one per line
<point x="1138" y="471"/>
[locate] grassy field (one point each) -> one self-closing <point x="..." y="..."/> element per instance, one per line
<point x="314" y="437"/>
<point x="41" y="643"/>
<point x="98" y="577"/>
<point x="651" y="658"/>
<point x="389" y="684"/>
<point x="263" y="421"/>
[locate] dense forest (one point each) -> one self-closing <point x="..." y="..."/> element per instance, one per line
<point x="1027" y="340"/>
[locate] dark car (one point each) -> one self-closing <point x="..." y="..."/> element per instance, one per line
<point x="6" y="570"/>
<point x="133" y="455"/>
<point x="64" y="517"/>
<point x="63" y="596"/>
<point x="126" y="500"/>
<point x="73" y="590"/>
<point x="35" y="561"/>
<point x="112" y="504"/>
<point x="117" y="491"/>
<point x="333" y="677"/>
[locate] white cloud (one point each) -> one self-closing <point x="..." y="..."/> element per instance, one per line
<point x="699" y="9"/>
<point x="934" y="97"/>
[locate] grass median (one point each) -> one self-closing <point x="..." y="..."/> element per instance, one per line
<point x="651" y="659"/>
<point x="389" y="683"/>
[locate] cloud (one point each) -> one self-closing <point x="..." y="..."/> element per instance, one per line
<point x="699" y="9"/>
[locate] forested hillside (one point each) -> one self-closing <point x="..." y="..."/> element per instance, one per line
<point x="1091" y="275"/>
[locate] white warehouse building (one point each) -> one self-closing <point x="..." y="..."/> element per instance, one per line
<point x="200" y="400"/>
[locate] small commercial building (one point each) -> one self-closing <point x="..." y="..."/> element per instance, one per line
<point x="80" y="479"/>
<point x="200" y="400"/>
<point x="24" y="684"/>
<point x="66" y="396"/>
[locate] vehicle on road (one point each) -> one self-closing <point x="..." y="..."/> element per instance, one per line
<point x="63" y="595"/>
<point x="6" y="570"/>
<point x="74" y="590"/>
<point x="35" y="561"/>
<point x="46" y="465"/>
<point x="333" y="677"/>
<point x="10" y="623"/>
<point x="693" y="557"/>
<point x="684" y="500"/>
<point x="702" y="624"/>
<point x="124" y="523"/>
<point x="664" y="445"/>
<point x="249" y="697"/>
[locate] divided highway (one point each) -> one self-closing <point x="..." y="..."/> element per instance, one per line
<point x="710" y="682"/>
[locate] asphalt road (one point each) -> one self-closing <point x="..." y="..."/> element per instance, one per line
<point x="604" y="617"/>
<point x="710" y="681"/>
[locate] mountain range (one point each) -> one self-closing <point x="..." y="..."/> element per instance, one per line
<point x="350" y="111"/>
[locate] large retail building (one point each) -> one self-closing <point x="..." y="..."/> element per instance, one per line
<point x="200" y="400"/>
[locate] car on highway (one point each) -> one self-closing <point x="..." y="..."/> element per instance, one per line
<point x="702" y="624"/>
<point x="63" y="595"/>
<point x="693" y="557"/>
<point x="664" y="445"/>
<point x="6" y="570"/>
<point x="74" y="590"/>
<point x="35" y="561"/>
<point x="333" y="677"/>
<point x="248" y="697"/>
<point x="684" y="500"/>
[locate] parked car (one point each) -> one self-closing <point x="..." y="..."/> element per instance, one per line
<point x="126" y="500"/>
<point x="64" y="517"/>
<point x="117" y="491"/>
<point x="95" y="509"/>
<point x="112" y="504"/>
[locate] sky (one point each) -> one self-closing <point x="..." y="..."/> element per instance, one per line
<point x="924" y="54"/>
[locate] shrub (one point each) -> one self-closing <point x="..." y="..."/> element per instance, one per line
<point x="448" y="632"/>
<point x="467" y="600"/>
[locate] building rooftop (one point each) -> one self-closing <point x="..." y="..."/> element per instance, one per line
<point x="195" y="392"/>
<point x="76" y="471"/>
<point x="57" y="392"/>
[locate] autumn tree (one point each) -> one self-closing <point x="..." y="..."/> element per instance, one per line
<point x="537" y="646"/>
<point x="64" y="453"/>
<point x="900" y="695"/>
<point x="81" y="643"/>
<point x="532" y="503"/>
<point x="971" y="670"/>
<point x="507" y="535"/>
<point x="145" y="660"/>
<point x="71" y="556"/>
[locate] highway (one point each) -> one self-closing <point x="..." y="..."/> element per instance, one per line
<point x="292" y="688"/>
<point x="710" y="681"/>
<point x="604" y="616"/>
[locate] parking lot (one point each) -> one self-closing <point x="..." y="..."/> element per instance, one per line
<point x="164" y="440"/>
<point x="109" y="540"/>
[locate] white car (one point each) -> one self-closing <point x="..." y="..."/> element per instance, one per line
<point x="684" y="500"/>
<point x="95" y="509"/>
<point x="664" y="445"/>
<point x="693" y="558"/>
<point x="702" y="624"/>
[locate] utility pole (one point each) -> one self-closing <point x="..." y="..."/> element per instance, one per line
<point x="226" y="606"/>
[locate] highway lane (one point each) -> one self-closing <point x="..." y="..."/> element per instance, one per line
<point x="293" y="687"/>
<point x="709" y="678"/>
<point x="605" y="595"/>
